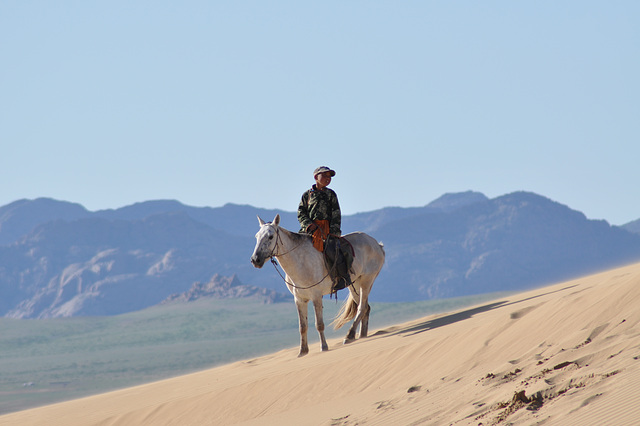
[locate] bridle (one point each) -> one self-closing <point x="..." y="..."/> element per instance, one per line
<point x="275" y="247"/>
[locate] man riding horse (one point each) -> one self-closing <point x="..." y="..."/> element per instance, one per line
<point x="319" y="215"/>
<point x="305" y="265"/>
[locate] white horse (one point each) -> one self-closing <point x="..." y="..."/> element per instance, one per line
<point x="307" y="277"/>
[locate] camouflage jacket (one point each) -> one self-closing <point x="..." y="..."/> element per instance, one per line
<point x="320" y="205"/>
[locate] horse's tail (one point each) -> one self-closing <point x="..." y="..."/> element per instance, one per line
<point x="347" y="313"/>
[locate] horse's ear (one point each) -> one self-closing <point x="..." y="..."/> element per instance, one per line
<point x="260" y="221"/>
<point x="276" y="221"/>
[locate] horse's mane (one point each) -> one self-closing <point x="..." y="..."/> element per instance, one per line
<point x="299" y="236"/>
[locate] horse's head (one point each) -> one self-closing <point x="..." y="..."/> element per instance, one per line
<point x="266" y="241"/>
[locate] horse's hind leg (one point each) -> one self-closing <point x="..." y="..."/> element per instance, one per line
<point x="361" y="319"/>
<point x="317" y="305"/>
<point x="364" y="325"/>
<point x="351" y="335"/>
<point x="302" y="319"/>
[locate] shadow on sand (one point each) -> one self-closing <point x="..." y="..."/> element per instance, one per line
<point x="460" y="316"/>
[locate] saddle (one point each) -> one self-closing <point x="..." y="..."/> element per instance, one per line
<point x="338" y="255"/>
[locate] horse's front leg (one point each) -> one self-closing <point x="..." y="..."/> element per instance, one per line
<point x="317" y="305"/>
<point x="302" y="320"/>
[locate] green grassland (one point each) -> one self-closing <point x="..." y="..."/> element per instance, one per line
<point x="48" y="361"/>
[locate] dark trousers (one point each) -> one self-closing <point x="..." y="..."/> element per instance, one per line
<point x="339" y="258"/>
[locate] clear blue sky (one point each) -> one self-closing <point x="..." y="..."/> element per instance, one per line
<point x="208" y="102"/>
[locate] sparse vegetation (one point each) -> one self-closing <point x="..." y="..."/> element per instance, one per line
<point x="47" y="361"/>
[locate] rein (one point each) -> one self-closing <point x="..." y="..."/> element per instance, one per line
<point x="275" y="265"/>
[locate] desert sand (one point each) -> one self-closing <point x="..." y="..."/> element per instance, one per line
<point x="566" y="354"/>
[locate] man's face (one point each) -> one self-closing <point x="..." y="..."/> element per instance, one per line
<point x="323" y="179"/>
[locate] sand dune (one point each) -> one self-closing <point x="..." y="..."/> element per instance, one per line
<point x="567" y="354"/>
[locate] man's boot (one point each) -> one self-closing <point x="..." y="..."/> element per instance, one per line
<point x="338" y="257"/>
<point x="343" y="278"/>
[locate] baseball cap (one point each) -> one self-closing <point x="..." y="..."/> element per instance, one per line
<point x="323" y="169"/>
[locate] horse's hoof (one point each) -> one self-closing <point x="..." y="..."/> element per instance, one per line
<point x="325" y="348"/>
<point x="301" y="354"/>
<point x="348" y="340"/>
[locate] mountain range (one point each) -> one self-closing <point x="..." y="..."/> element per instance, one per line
<point x="57" y="259"/>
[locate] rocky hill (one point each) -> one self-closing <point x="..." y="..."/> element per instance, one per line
<point x="219" y="287"/>
<point x="507" y="243"/>
<point x="57" y="259"/>
<point x="102" y="267"/>
<point x="633" y="226"/>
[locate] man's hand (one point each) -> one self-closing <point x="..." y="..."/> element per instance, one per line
<point x="312" y="228"/>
